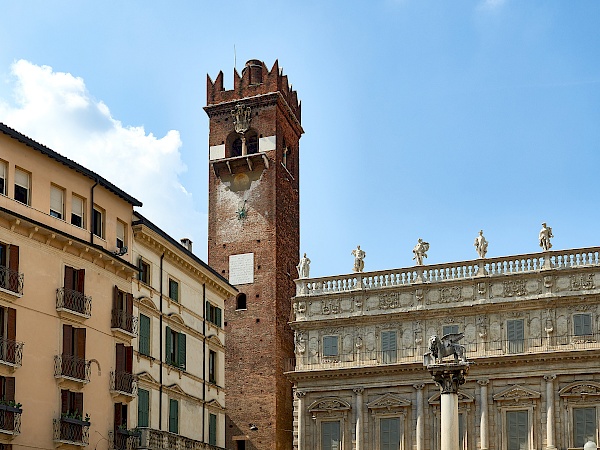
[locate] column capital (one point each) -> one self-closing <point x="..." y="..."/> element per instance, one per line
<point x="449" y="376"/>
<point x="483" y="382"/>
<point x="300" y="394"/>
<point x="550" y="377"/>
<point x="358" y="390"/>
<point x="419" y="387"/>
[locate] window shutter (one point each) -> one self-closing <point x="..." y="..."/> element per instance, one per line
<point x="69" y="277"/>
<point x="80" y="342"/>
<point x="330" y="346"/>
<point x="129" y="359"/>
<point x="56" y="200"/>
<point x="207" y="312"/>
<point x="212" y="429"/>
<point x="64" y="401"/>
<point x="120" y="357"/>
<point x="115" y="298"/>
<point x="67" y="340"/>
<point x="78" y="402"/>
<point x="77" y="206"/>
<point x="11" y="326"/>
<point x="181" y="350"/>
<point x="81" y="280"/>
<point x="173" y="416"/>
<point x="129" y="304"/>
<point x="143" y="408"/>
<point x="218" y="318"/>
<point x="168" y="345"/>
<point x="140" y="267"/>
<point x="13" y="264"/>
<point x="9" y="389"/>
<point x="118" y="415"/>
<point x="144" y="344"/>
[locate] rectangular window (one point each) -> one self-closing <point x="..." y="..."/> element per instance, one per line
<point x="584" y="426"/>
<point x="517" y="432"/>
<point x="22" y="186"/>
<point x="72" y="403"/>
<point x="77" y="210"/>
<point x="515" y="334"/>
<point x="213" y="314"/>
<point x="9" y="268"/>
<point x="582" y="324"/>
<point x="388" y="347"/>
<point x="330" y="346"/>
<point x="7" y="389"/>
<point x="212" y="429"/>
<point x="57" y="202"/>
<point x="8" y="334"/>
<point x="449" y="329"/>
<point x="212" y="367"/>
<point x="98" y="222"/>
<point x="120" y="234"/>
<point x="330" y="436"/>
<point x="175" y="348"/>
<point x="120" y="424"/>
<point x="3" y="175"/>
<point x="389" y="433"/>
<point x="173" y="416"/>
<point x="143" y="408"/>
<point x="241" y="445"/>
<point x="144" y="347"/>
<point x="173" y="290"/>
<point x="143" y="271"/>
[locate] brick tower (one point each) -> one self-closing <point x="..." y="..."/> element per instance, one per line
<point x="253" y="240"/>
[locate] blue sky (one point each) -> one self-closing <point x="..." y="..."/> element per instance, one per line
<point x="422" y="119"/>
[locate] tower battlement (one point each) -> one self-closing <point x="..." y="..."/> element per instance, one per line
<point x="256" y="79"/>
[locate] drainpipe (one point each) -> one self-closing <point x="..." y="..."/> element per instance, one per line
<point x="203" y="359"/>
<point x="91" y="219"/>
<point x="160" y="389"/>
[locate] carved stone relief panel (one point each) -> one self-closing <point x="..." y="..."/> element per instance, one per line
<point x="470" y="333"/>
<point x="372" y="303"/>
<point x="314" y="308"/>
<point x="451" y="294"/>
<point x="496" y="290"/>
<point x="582" y="282"/>
<point x="408" y="338"/>
<point x="370" y="340"/>
<point x="534" y="286"/>
<point x="514" y="288"/>
<point x="433" y="297"/>
<point x="389" y="300"/>
<point x="406" y="299"/>
<point x="468" y="292"/>
<point x="331" y="306"/>
<point x="562" y="324"/>
<point x="348" y="343"/>
<point x="563" y="283"/>
<point x="535" y="326"/>
<point x="346" y="305"/>
<point x="482" y="327"/>
<point x="496" y="326"/>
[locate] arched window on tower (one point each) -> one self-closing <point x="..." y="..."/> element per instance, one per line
<point x="236" y="148"/>
<point x="240" y="301"/>
<point x="252" y="142"/>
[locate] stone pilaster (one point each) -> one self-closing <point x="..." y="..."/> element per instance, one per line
<point x="358" y="405"/>
<point x="301" y="431"/>
<point x="484" y="424"/>
<point x="550" y="411"/>
<point x="420" y="431"/>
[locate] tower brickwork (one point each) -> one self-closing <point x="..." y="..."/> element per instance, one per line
<point x="253" y="240"/>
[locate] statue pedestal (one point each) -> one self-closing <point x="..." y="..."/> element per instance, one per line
<point x="449" y="377"/>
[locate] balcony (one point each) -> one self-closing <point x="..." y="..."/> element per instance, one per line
<point x="73" y="303"/>
<point x="123" y="439"/>
<point x="11" y="353"/>
<point x="71" y="368"/>
<point x="11" y="281"/>
<point x="122" y="322"/>
<point x="10" y="419"/>
<point x="152" y="439"/>
<point x="71" y="431"/>
<point x="473" y="351"/>
<point x="123" y="384"/>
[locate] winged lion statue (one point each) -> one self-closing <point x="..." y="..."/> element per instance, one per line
<point x="446" y="346"/>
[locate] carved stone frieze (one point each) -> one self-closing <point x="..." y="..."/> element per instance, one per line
<point x="389" y="300"/>
<point x="514" y="288"/>
<point x="388" y="403"/>
<point x="329" y="404"/>
<point x="516" y="394"/>
<point x="331" y="307"/>
<point x="582" y="282"/>
<point x="450" y="294"/>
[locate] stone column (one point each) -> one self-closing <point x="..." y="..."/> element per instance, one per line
<point x="483" y="424"/>
<point x="300" y="396"/>
<point x="550" y="411"/>
<point x="420" y="434"/>
<point x="358" y="406"/>
<point x="449" y="377"/>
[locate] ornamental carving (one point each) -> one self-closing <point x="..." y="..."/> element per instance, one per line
<point x="514" y="288"/>
<point x="516" y="394"/>
<point x="582" y="282"/>
<point x="389" y="301"/>
<point x="301" y="307"/>
<point x="331" y="307"/>
<point x="581" y="389"/>
<point x="481" y="287"/>
<point x="388" y="402"/>
<point x="242" y="115"/>
<point x="329" y="404"/>
<point x="450" y="294"/>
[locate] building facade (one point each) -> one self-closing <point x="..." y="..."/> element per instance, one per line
<point x="531" y="327"/>
<point x="64" y="269"/>
<point x="253" y="241"/>
<point x="179" y="355"/>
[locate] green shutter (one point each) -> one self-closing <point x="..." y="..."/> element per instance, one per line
<point x="218" y="318"/>
<point x="517" y="430"/>
<point x="173" y="416"/>
<point x="330" y="346"/>
<point x="388" y="346"/>
<point x="143" y="408"/>
<point x="168" y="345"/>
<point x="584" y="425"/>
<point x="330" y="435"/>
<point x="389" y="433"/>
<point x="181" y="350"/>
<point x="144" y="344"/>
<point x="212" y="429"/>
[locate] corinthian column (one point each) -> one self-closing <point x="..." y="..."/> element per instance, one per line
<point x="483" y="424"/>
<point x="358" y="406"/>
<point x="550" y="411"/>
<point x="300" y="396"/>
<point x="420" y="434"/>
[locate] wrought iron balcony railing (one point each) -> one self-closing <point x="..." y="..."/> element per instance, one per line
<point x="152" y="439"/>
<point x="74" y="301"/>
<point x="11" y="280"/>
<point x="11" y="352"/>
<point x="69" y="366"/>
<point x="473" y="350"/>
<point x="124" y="321"/>
<point x="123" y="439"/>
<point x="123" y="382"/>
<point x="71" y="431"/>
<point x="10" y="419"/>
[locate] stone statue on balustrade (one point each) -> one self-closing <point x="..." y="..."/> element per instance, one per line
<point x="481" y="244"/>
<point x="420" y="251"/>
<point x="545" y="236"/>
<point x="303" y="267"/>
<point x="359" y="256"/>
<point x="446" y="346"/>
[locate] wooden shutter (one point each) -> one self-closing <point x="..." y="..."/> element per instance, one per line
<point x="212" y="429"/>
<point x="11" y="326"/>
<point x="516" y="424"/>
<point x="218" y="317"/>
<point x="173" y="416"/>
<point x="143" y="408"/>
<point x="69" y="277"/>
<point x="67" y="340"/>
<point x="129" y="359"/>
<point x="115" y="298"/>
<point x="168" y="345"/>
<point x="120" y="357"/>
<point x="64" y="401"/>
<point x="129" y="304"/>
<point x="9" y="389"/>
<point x="13" y="264"/>
<point x="144" y="347"/>
<point x="181" y="350"/>
<point x="81" y="280"/>
<point x="80" y="342"/>
<point x="389" y="433"/>
<point x="78" y="402"/>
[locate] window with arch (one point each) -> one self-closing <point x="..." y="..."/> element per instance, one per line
<point x="240" y="301"/>
<point x="252" y="142"/>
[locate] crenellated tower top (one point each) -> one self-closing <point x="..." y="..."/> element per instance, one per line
<point x="256" y="79"/>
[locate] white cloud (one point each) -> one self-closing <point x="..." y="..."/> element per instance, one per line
<point x="55" y="109"/>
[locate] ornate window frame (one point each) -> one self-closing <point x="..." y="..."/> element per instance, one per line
<point x="330" y="409"/>
<point x="389" y="406"/>
<point x="465" y="403"/>
<point x="518" y="398"/>
<point x="579" y="394"/>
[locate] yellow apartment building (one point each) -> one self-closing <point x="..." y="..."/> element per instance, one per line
<point x="179" y="353"/>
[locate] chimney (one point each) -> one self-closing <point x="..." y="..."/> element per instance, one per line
<point x="187" y="243"/>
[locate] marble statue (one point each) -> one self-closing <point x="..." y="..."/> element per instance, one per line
<point x="359" y="256"/>
<point x="481" y="244"/>
<point x="446" y="346"/>
<point x="241" y="118"/>
<point x="303" y="267"/>
<point x="420" y="251"/>
<point x="545" y="236"/>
